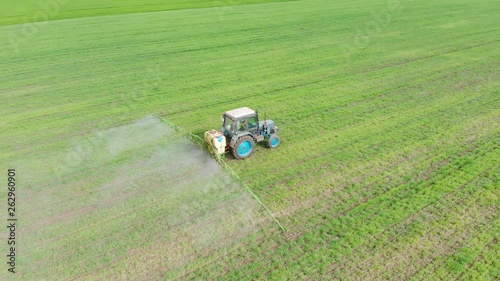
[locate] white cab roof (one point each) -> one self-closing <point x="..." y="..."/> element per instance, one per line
<point x="240" y="112"/>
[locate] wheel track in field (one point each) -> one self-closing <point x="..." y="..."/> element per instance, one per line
<point x="390" y="92"/>
<point x="437" y="54"/>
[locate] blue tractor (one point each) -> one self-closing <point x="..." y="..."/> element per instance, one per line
<point x="241" y="130"/>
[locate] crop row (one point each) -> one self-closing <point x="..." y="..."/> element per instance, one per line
<point x="325" y="233"/>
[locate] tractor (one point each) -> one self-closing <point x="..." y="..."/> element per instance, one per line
<point x="241" y="130"/>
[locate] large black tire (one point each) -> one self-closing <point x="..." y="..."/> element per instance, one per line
<point x="273" y="141"/>
<point x="244" y="147"/>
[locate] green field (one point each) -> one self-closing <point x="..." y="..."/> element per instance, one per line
<point x="15" y="12"/>
<point x="388" y="167"/>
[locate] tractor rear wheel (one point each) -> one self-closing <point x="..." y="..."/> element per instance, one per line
<point x="243" y="147"/>
<point x="273" y="141"/>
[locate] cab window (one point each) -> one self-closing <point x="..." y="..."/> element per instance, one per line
<point x="252" y="122"/>
<point x="228" y="124"/>
<point x="241" y="125"/>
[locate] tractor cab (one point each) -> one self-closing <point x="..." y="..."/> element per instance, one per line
<point x="240" y="121"/>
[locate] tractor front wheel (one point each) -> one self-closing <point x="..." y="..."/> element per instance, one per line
<point x="273" y="141"/>
<point x="243" y="147"/>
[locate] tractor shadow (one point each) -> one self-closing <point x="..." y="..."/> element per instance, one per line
<point x="199" y="133"/>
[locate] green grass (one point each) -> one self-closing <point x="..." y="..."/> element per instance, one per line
<point x="388" y="167"/>
<point x="15" y="12"/>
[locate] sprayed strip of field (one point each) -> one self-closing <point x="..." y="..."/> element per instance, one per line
<point x="136" y="201"/>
